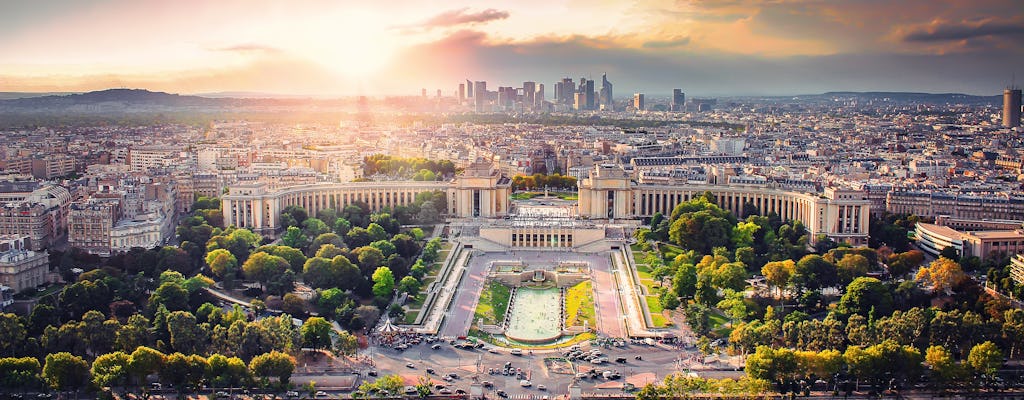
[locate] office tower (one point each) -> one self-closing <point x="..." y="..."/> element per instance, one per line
<point x="579" y="101"/>
<point x="638" y="101"/>
<point x="469" y="89"/>
<point x="423" y="92"/>
<point x="539" y="99"/>
<point x="587" y="88"/>
<point x="480" y="95"/>
<point x="568" y="91"/>
<point x="529" y="93"/>
<point x="678" y="100"/>
<point x="606" y="94"/>
<point x="506" y="97"/>
<point x="462" y="93"/>
<point x="439" y="93"/>
<point x="1011" y="107"/>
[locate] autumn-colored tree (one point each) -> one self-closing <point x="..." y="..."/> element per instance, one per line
<point x="942" y="275"/>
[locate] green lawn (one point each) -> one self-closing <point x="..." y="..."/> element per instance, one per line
<point x="658" y="321"/>
<point x="410" y="316"/>
<point x="719" y="324"/>
<point x="635" y="247"/>
<point x="493" y="303"/>
<point x="579" y="305"/>
<point x="654" y="304"/>
<point x="417" y="302"/>
<point x="524" y="195"/>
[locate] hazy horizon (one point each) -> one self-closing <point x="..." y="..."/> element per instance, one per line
<point x="336" y="49"/>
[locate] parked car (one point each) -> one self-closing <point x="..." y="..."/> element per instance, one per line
<point x="410" y="365"/>
<point x="525" y="383"/>
<point x="321" y="393"/>
<point x="501" y="393"/>
<point x="542" y="387"/>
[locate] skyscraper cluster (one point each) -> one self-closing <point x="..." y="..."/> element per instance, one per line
<point x="529" y="97"/>
<point x="569" y="95"/>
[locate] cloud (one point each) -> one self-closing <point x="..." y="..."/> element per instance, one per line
<point x="249" y="48"/>
<point x="462" y="16"/>
<point x="945" y="31"/>
<point x="667" y="44"/>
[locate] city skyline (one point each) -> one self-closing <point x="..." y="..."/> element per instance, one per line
<point x="342" y="48"/>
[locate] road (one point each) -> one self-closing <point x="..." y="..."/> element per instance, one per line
<point x="656" y="360"/>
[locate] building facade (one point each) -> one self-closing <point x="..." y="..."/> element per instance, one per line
<point x="20" y="267"/>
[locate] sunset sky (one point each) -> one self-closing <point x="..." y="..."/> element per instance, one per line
<point x="336" y="48"/>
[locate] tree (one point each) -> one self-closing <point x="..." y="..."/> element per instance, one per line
<point x="985" y="358"/>
<point x="347" y="344"/>
<point x="944" y="368"/>
<point x="329" y="238"/>
<point x="19" y="372"/>
<point x="383" y="282"/>
<point x="409" y="285"/>
<point x="316" y="333"/>
<point x="850" y="267"/>
<point x="265" y="268"/>
<point x="64" y="371"/>
<point x="320" y="273"/>
<point x="171" y="295"/>
<point x="330" y="251"/>
<point x="864" y="295"/>
<point x="222" y="263"/>
<point x="293" y="216"/>
<point x="293" y="237"/>
<point x="778" y="273"/>
<point x="12" y="332"/>
<point x="813" y="272"/>
<point x="224" y="371"/>
<point x="111" y="369"/>
<point x="314" y="227"/>
<point x="685" y="281"/>
<point x="184" y="332"/>
<point x="942" y="275"/>
<point x="184" y="371"/>
<point x="369" y="259"/>
<point x="273" y="364"/>
<point x="293" y="305"/>
<point x="775" y="365"/>
<point x="145" y="361"/>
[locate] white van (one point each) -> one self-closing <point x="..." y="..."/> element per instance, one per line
<point x="516" y="352"/>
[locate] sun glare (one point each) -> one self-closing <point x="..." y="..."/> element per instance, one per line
<point x="362" y="46"/>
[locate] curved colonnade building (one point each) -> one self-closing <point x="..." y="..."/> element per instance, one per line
<point x="607" y="194"/>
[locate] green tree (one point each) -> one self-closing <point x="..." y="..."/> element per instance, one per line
<point x="293" y="237"/>
<point x="65" y="371"/>
<point x="409" y="285"/>
<point x="316" y="333"/>
<point x="985" y="358"/>
<point x="145" y="361"/>
<point x="685" y="281"/>
<point x="864" y="295"/>
<point x="222" y="263"/>
<point x="265" y="268"/>
<point x="347" y="344"/>
<point x="321" y="273"/>
<point x="813" y="272"/>
<point x="944" y="369"/>
<point x="111" y="369"/>
<point x="170" y="295"/>
<point x="850" y="267"/>
<point x="314" y="227"/>
<point x="13" y="333"/>
<point x="273" y="365"/>
<point x="383" y="282"/>
<point x="226" y="371"/>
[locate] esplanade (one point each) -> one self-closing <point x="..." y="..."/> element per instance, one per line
<point x="608" y="193"/>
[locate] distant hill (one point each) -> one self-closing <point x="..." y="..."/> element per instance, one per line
<point x="25" y="95"/>
<point x="126" y="97"/>
<point x="936" y="98"/>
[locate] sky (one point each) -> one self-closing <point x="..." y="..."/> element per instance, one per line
<point x="398" y="47"/>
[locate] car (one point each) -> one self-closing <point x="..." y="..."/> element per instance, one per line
<point x="460" y="391"/>
<point x="621" y="360"/>
<point x="516" y="352"/>
<point x="448" y="378"/>
<point x="410" y="365"/>
<point x="542" y="387"/>
<point x="525" y="383"/>
<point x="410" y="390"/>
<point x="582" y="375"/>
<point x="487" y="384"/>
<point x="430" y="370"/>
<point x="445" y="391"/>
<point x="372" y="372"/>
<point x="438" y="386"/>
<point x="453" y="375"/>
<point x="321" y="393"/>
<point x="435" y="346"/>
<point x="492" y="350"/>
<point x="501" y="393"/>
<point x="291" y="393"/>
